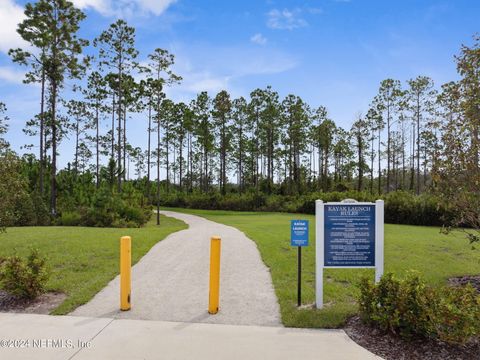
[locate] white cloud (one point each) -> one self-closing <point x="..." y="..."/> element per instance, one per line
<point x="205" y="81"/>
<point x="11" y="75"/>
<point x="258" y="39"/>
<point x="157" y="7"/>
<point x="10" y="15"/>
<point x="211" y="68"/>
<point x="102" y="6"/>
<point x="285" y="19"/>
<point x="126" y="8"/>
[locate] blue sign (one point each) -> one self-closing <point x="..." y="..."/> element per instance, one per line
<point x="299" y="233"/>
<point x="349" y="235"/>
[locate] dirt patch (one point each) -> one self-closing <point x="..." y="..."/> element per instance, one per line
<point x="473" y="280"/>
<point x="389" y="346"/>
<point x="43" y="304"/>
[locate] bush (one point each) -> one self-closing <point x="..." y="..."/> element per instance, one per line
<point x="109" y="209"/>
<point x="135" y="216"/>
<point x="401" y="207"/>
<point x="70" y="218"/>
<point x="456" y="314"/>
<point x="410" y="308"/>
<point x="42" y="214"/>
<point x="395" y="306"/>
<point x="24" y="278"/>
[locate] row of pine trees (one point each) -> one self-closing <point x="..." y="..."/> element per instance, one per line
<point x="262" y="142"/>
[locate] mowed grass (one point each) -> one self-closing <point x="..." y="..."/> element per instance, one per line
<point x="424" y="249"/>
<point x="83" y="260"/>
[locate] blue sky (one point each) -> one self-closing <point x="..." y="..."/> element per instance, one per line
<point x="329" y="52"/>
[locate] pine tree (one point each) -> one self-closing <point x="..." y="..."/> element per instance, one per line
<point x="240" y="133"/>
<point x="204" y="133"/>
<point x="221" y="114"/>
<point x="359" y="134"/>
<point x="34" y="30"/>
<point x="421" y="97"/>
<point x="79" y="116"/>
<point x="387" y="102"/>
<point x="51" y="26"/>
<point x="95" y="94"/>
<point x="117" y="53"/>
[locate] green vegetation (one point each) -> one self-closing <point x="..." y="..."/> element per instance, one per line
<point x="401" y="207"/>
<point x="82" y="260"/>
<point x="24" y="278"/>
<point x="261" y="151"/>
<point x="410" y="308"/>
<point x="434" y="255"/>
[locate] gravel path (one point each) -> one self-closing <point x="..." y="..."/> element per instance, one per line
<point x="171" y="281"/>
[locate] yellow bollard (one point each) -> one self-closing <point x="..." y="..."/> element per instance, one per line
<point x="214" y="295"/>
<point x="125" y="272"/>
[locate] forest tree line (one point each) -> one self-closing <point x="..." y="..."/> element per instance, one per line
<point x="410" y="138"/>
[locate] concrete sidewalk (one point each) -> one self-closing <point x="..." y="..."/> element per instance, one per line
<point x="28" y="336"/>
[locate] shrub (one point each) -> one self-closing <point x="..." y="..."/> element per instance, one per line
<point x="42" y="215"/>
<point x="135" y="215"/>
<point x="111" y="209"/>
<point x="401" y="207"/>
<point x="70" y="218"/>
<point x="13" y="190"/>
<point x="456" y="314"/>
<point x="410" y="308"/>
<point x="24" y="278"/>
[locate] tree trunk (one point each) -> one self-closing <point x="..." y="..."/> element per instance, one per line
<point x="77" y="133"/>
<point x="149" y="145"/>
<point x="42" y="131"/>
<point x="119" y="117"/>
<point x="371" y="163"/>
<point x="126" y="173"/>
<point x="240" y="158"/>
<point x="403" y="159"/>
<point x="379" y="163"/>
<point x="360" y="163"/>
<point x="418" y="144"/>
<point x="190" y="160"/>
<point x="320" y="164"/>
<point x="97" y="139"/>
<point x="205" y="160"/>
<point x="167" y="142"/>
<point x="388" y="148"/>
<point x="158" y="172"/>
<point x="412" y="161"/>
<point x="53" y="190"/>
<point x="181" y="162"/>
<point x="113" y="127"/>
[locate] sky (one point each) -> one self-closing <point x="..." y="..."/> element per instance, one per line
<point x="329" y="52"/>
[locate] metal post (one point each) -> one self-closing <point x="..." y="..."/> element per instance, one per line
<point x="319" y="253"/>
<point x="299" y="280"/>
<point x="125" y="272"/>
<point x="213" y="301"/>
<point x="379" y="239"/>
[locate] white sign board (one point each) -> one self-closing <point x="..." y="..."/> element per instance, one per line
<point x="348" y="234"/>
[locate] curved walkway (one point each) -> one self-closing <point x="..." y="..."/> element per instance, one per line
<point x="171" y="281"/>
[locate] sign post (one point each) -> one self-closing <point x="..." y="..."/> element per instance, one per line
<point x="299" y="238"/>
<point x="349" y="234"/>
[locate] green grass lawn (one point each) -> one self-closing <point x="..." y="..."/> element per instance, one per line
<point x="436" y="256"/>
<point x="83" y="260"/>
